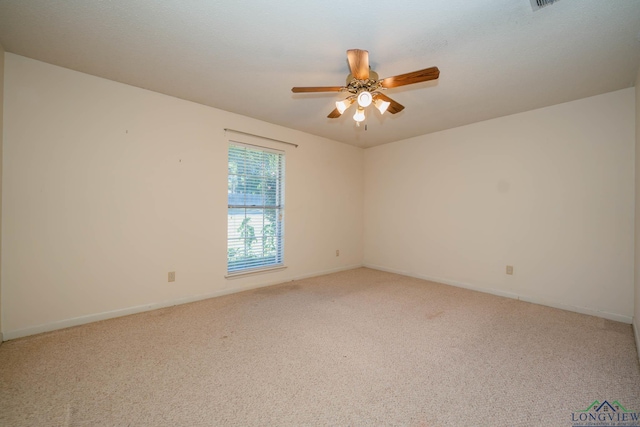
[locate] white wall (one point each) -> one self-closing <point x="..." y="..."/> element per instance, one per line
<point x="1" y="134"/>
<point x="108" y="187"/>
<point x="550" y="192"/>
<point x="636" y="316"/>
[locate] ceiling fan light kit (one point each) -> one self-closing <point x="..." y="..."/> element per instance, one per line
<point x="364" y="99"/>
<point x="381" y="105"/>
<point x="359" y="115"/>
<point x="342" y="106"/>
<point x="364" y="86"/>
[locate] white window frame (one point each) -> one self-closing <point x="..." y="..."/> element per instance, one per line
<point x="251" y="207"/>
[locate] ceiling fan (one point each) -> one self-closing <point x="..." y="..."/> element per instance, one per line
<point x="365" y="87"/>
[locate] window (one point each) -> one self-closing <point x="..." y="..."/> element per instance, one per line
<point x="255" y="208"/>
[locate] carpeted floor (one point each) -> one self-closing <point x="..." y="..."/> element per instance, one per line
<point x="360" y="347"/>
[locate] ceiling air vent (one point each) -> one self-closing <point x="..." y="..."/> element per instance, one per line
<point x="539" y="4"/>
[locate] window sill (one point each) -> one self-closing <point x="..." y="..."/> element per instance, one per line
<point x="245" y="273"/>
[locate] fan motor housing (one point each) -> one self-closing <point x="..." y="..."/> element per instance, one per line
<point x="355" y="86"/>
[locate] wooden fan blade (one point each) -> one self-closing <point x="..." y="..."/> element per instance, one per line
<point x="358" y="63"/>
<point x="411" y="78"/>
<point x="317" y="89"/>
<point x="395" y="107"/>
<point x="334" y="114"/>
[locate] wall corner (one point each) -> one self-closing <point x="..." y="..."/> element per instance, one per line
<point x="636" y="334"/>
<point x="1" y="151"/>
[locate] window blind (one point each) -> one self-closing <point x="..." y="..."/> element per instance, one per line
<point x="255" y="218"/>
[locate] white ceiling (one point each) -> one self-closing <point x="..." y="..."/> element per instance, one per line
<point x="496" y="57"/>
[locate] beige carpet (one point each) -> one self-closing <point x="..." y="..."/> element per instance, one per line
<point x="361" y="347"/>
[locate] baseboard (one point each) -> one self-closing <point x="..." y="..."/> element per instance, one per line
<point x="77" y="321"/>
<point x="636" y="330"/>
<point x="445" y="281"/>
<point x="52" y="326"/>
<point x="332" y="270"/>
<point x="534" y="300"/>
<point x="577" y="309"/>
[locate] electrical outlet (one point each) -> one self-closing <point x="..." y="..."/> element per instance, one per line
<point x="337" y="252"/>
<point x="510" y="269"/>
<point x="172" y="276"/>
